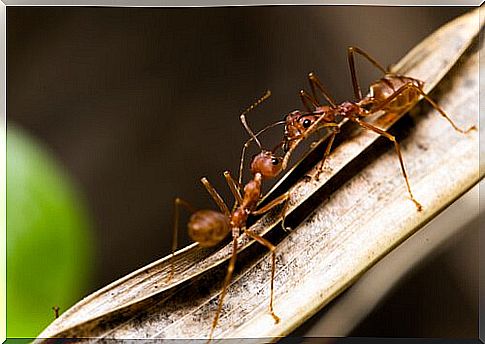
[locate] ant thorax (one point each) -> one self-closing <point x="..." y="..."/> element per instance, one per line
<point x="347" y="109"/>
<point x="251" y="196"/>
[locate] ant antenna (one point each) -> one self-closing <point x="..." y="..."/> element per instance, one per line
<point x="279" y="145"/>
<point x="243" y="117"/>
<point x="246" y="145"/>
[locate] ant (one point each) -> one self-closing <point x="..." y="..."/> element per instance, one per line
<point x="392" y="93"/>
<point x="209" y="227"/>
<point x="56" y="311"/>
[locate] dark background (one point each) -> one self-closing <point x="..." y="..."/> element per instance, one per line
<point x="139" y="103"/>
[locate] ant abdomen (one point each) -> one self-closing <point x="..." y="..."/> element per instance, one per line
<point x="385" y="87"/>
<point x="208" y="227"/>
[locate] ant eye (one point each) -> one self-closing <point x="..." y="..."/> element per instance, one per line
<point x="275" y="161"/>
<point x="307" y="123"/>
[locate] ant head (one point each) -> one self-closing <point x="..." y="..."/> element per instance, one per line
<point x="267" y="164"/>
<point x="297" y="123"/>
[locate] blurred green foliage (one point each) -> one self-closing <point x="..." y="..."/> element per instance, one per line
<point x="49" y="242"/>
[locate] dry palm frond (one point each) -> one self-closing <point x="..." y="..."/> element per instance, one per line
<point x="358" y="212"/>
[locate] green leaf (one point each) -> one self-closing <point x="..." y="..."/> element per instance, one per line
<point x="49" y="242"/>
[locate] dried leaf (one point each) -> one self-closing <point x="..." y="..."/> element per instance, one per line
<point x="366" y="217"/>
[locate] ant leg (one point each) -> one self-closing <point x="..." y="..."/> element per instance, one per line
<point x="230" y="270"/>
<point x="316" y="83"/>
<point x="335" y="131"/>
<point x="443" y="113"/>
<point x="289" y="151"/>
<point x="353" y="74"/>
<point x="278" y="200"/>
<point x="410" y="85"/>
<point x="308" y="101"/>
<point x="216" y="197"/>
<point x="315" y="126"/>
<point x="398" y="151"/>
<point x="234" y="187"/>
<point x="176" y="214"/>
<point x="272" y="248"/>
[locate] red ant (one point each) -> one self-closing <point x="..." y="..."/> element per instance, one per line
<point x="209" y="227"/>
<point x="392" y="93"/>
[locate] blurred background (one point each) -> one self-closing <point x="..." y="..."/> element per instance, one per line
<point x="114" y="112"/>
